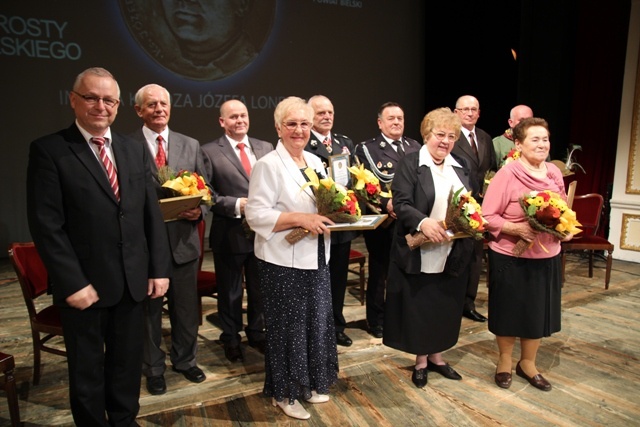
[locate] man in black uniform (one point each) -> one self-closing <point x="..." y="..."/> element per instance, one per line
<point x="381" y="156"/>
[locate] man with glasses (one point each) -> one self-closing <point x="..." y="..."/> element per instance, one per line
<point x="228" y="161"/>
<point x="476" y="148"/>
<point x="324" y="143"/>
<point x="94" y="217"/>
<point x="178" y="152"/>
<point x="381" y="156"/>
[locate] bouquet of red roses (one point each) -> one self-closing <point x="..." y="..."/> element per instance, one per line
<point x="463" y="219"/>
<point x="547" y="212"/>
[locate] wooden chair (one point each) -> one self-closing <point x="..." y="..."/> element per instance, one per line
<point x="207" y="284"/>
<point x="571" y="193"/>
<point x="33" y="279"/>
<point x="356" y="257"/>
<point x="7" y="365"/>
<point x="588" y="208"/>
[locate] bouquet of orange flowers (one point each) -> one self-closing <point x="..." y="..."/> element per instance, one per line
<point x="332" y="200"/>
<point x="184" y="183"/>
<point x="547" y="212"/>
<point x="463" y="219"/>
<point x="367" y="187"/>
<point x="511" y="156"/>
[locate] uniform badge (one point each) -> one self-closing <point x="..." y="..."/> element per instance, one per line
<point x="324" y="164"/>
<point x="313" y="143"/>
<point x="345" y="150"/>
<point x="383" y="144"/>
<point x="329" y="149"/>
<point x="379" y="165"/>
<point x="389" y="165"/>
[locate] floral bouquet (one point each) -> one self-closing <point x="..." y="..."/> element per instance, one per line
<point x="333" y="201"/>
<point x="546" y="211"/>
<point x="367" y="187"/>
<point x="511" y="156"/>
<point x="464" y="219"/>
<point x="184" y="183"/>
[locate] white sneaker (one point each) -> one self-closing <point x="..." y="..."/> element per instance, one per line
<point x="294" y="411"/>
<point x="318" y="398"/>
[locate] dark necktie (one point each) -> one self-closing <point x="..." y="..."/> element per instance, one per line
<point x="108" y="165"/>
<point x="398" y="145"/>
<point x="244" y="159"/>
<point x="472" y="141"/>
<point x="161" y="156"/>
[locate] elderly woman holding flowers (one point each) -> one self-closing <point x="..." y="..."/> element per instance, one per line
<point x="426" y="286"/>
<point x="525" y="280"/>
<point x="301" y="360"/>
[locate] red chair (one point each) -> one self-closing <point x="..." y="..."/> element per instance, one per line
<point x="7" y="365"/>
<point x="32" y="276"/>
<point x="588" y="208"/>
<point x="356" y="257"/>
<point x="207" y="284"/>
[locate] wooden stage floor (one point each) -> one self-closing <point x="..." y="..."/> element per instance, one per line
<point x="592" y="364"/>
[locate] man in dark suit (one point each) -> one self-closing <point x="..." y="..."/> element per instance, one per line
<point x="381" y="156"/>
<point x="476" y="148"/>
<point x="324" y="143"/>
<point x="94" y="217"/>
<point x="228" y="161"/>
<point x="178" y="152"/>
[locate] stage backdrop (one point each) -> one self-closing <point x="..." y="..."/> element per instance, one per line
<point x="360" y="53"/>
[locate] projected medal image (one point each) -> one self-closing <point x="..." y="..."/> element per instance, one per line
<point x="200" y="39"/>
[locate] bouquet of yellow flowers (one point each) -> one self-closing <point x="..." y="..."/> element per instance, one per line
<point x="184" y="183"/>
<point x="511" y="156"/>
<point x="546" y="211"/>
<point x="464" y="219"/>
<point x="367" y="187"/>
<point x="332" y="200"/>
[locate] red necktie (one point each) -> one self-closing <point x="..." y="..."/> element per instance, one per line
<point x="161" y="157"/>
<point x="246" y="164"/>
<point x="472" y="141"/>
<point x="106" y="161"/>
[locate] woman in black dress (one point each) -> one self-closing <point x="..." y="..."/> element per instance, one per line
<point x="426" y="286"/>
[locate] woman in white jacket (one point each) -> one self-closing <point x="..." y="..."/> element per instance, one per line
<point x="301" y="360"/>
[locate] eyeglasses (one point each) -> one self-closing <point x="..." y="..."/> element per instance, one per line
<point x="440" y="136"/>
<point x="93" y="100"/>
<point x="292" y="126"/>
<point x="468" y="110"/>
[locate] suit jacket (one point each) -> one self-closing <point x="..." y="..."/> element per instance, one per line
<point x="340" y="144"/>
<point x="183" y="154"/>
<point x="413" y="198"/>
<point x="380" y="158"/>
<point x="229" y="182"/>
<point x="82" y="233"/>
<point x="276" y="187"/>
<point x="478" y="166"/>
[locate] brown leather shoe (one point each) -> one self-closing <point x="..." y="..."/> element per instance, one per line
<point x="503" y="379"/>
<point x="538" y="381"/>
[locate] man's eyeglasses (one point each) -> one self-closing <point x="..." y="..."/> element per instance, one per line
<point x="292" y="126"/>
<point x="440" y="136"/>
<point x="93" y="100"/>
<point x="468" y="110"/>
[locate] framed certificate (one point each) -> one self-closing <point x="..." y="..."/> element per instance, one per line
<point x="172" y="206"/>
<point x="339" y="169"/>
<point x="366" y="222"/>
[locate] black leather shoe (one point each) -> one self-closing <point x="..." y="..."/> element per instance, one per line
<point x="343" y="339"/>
<point x="474" y="315"/>
<point x="258" y="345"/>
<point x="503" y="379"/>
<point x="156" y="385"/>
<point x="233" y="353"/>
<point x="376" y="331"/>
<point x="193" y="374"/>
<point x="419" y="377"/>
<point x="538" y="381"/>
<point x="444" y="370"/>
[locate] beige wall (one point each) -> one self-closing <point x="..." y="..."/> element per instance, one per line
<point x="624" y="230"/>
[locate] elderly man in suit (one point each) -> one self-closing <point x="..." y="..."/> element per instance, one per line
<point x="381" y="156"/>
<point x="476" y="148"/>
<point x="179" y="152"/>
<point x="324" y="143"/>
<point x="228" y="161"/>
<point x="94" y="217"/>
